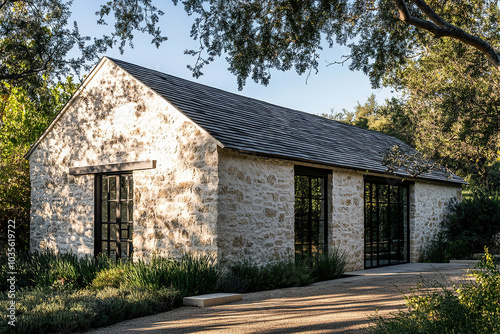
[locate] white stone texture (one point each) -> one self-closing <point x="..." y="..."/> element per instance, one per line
<point x="117" y="119"/>
<point x="346" y="227"/>
<point x="200" y="197"/>
<point x="256" y="208"/>
<point x="428" y="205"/>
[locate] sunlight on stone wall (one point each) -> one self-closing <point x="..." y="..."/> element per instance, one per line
<point x="116" y="119"/>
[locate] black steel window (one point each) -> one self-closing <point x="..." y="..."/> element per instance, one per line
<point x="114" y="215"/>
<point x="386" y="224"/>
<point x="310" y="212"/>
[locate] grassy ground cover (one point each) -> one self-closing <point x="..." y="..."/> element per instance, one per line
<point x="63" y="293"/>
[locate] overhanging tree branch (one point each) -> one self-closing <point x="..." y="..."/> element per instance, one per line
<point x="441" y="28"/>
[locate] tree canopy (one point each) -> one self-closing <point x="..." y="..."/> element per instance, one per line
<point x="22" y="120"/>
<point x="256" y="36"/>
<point x="36" y="38"/>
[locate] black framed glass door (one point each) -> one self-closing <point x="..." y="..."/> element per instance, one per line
<point x="387" y="231"/>
<point x="310" y="212"/>
<point x="114" y="215"/>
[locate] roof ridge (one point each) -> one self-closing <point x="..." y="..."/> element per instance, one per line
<point x="249" y="125"/>
<point x="307" y="114"/>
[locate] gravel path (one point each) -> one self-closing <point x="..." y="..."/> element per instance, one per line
<point x="338" y="306"/>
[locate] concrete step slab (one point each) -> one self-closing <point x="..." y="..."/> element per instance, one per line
<point x="465" y="261"/>
<point x="211" y="299"/>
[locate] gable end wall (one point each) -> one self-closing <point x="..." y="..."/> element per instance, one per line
<point x="117" y="119"/>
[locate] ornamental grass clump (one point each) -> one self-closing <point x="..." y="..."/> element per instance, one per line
<point x="48" y="269"/>
<point x="329" y="266"/>
<point x="191" y="275"/>
<point x="246" y="276"/>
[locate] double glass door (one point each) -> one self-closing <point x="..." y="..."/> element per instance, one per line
<point x="386" y="224"/>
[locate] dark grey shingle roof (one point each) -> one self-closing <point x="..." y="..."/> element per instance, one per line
<point x="250" y="125"/>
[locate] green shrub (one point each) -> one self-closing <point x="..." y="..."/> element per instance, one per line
<point x="47" y="311"/>
<point x="475" y="221"/>
<point x="441" y="250"/>
<point x="469" y="226"/>
<point x="471" y="309"/>
<point x="111" y="277"/>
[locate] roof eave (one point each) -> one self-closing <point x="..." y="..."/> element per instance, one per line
<point x="459" y="182"/>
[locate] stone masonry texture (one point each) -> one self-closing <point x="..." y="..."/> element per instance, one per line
<point x="428" y="205"/>
<point x="200" y="198"/>
<point x="117" y="119"/>
<point x="256" y="211"/>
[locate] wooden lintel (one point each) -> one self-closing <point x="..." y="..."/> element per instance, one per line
<point x="113" y="168"/>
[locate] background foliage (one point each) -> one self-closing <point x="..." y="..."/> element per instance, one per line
<point x="23" y="119"/>
<point x="470" y="225"/>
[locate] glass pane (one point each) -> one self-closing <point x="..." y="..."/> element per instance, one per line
<point x="124" y="234"/>
<point x="394" y="194"/>
<point x="298" y="232"/>
<point x="113" y="230"/>
<point x="124" y="250"/>
<point x="317" y="209"/>
<point x="112" y="211"/>
<point x="382" y="195"/>
<point x="130" y="211"/>
<point x="104" y="211"/>
<point x="301" y="186"/>
<point x="112" y="187"/>
<point x="123" y="211"/>
<point x="123" y="187"/>
<point x="105" y="247"/>
<point x="104" y="231"/>
<point x="302" y="208"/>
<point x="403" y="195"/>
<point x="321" y="227"/>
<point x="104" y="190"/>
<point x="317" y="190"/>
<point x="130" y="231"/>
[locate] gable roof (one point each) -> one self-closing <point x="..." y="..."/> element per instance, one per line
<point x="252" y="126"/>
<point x="257" y="127"/>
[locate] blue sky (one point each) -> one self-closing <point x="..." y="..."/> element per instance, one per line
<point x="333" y="86"/>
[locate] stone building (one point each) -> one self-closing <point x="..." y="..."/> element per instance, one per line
<point x="139" y="162"/>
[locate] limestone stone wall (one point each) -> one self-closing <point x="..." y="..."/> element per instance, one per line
<point x="256" y="208"/>
<point x="346" y="228"/>
<point x="117" y="119"/>
<point x="428" y="204"/>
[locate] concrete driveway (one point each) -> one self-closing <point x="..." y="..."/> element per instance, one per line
<point x="338" y="306"/>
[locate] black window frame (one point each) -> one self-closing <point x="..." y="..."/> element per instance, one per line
<point x="311" y="172"/>
<point x="98" y="222"/>
<point x="377" y="181"/>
